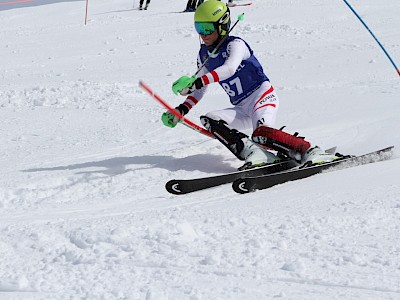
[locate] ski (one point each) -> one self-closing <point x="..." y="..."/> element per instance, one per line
<point x="249" y="184"/>
<point x="185" y="186"/>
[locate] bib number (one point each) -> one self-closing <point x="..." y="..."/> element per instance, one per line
<point x="233" y="88"/>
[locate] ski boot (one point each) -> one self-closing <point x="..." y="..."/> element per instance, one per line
<point x="255" y="156"/>
<point x="292" y="146"/>
<point x="317" y="156"/>
<point x="239" y="144"/>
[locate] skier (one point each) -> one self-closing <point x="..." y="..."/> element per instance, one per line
<point x="141" y="4"/>
<point x="192" y="5"/>
<point x="255" y="102"/>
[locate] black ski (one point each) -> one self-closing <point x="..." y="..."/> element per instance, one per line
<point x="184" y="186"/>
<point x="249" y="184"/>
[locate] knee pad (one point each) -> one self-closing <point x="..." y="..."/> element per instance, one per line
<point x="280" y="141"/>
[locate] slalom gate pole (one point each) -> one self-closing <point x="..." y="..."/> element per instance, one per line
<point x="86" y="13"/>
<point x="184" y="120"/>
<point x="365" y="25"/>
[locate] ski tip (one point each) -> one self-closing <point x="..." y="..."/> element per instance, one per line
<point x="173" y="187"/>
<point x="241" y="186"/>
<point x="388" y="150"/>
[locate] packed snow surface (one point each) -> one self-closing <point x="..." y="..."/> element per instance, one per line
<point x="84" y="156"/>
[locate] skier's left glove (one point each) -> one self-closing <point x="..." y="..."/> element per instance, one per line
<point x="187" y="85"/>
<point x="197" y="84"/>
<point x="170" y="120"/>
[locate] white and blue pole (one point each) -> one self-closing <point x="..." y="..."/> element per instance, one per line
<point x="365" y="25"/>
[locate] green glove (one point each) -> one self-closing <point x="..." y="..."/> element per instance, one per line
<point x="169" y="119"/>
<point x="182" y="83"/>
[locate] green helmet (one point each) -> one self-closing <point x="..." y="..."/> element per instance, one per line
<point x="216" y="12"/>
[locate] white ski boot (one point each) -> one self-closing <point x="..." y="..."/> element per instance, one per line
<point x="317" y="156"/>
<point x="255" y="156"/>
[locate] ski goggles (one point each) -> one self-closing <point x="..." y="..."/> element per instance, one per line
<point x="204" y="28"/>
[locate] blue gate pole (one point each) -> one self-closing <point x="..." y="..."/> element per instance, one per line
<point x="384" y="50"/>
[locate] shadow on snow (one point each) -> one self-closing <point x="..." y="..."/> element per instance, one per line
<point x="206" y="163"/>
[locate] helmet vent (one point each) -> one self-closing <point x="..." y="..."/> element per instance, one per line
<point x="224" y="18"/>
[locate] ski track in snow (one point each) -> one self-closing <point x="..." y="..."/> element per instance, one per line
<point x="84" y="158"/>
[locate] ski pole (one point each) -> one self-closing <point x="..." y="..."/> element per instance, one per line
<point x="365" y="25"/>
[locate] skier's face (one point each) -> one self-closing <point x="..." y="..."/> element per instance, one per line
<point x="209" y="39"/>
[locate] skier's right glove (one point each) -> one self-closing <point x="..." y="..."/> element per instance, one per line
<point x="170" y="120"/>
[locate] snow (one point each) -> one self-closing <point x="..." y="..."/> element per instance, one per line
<point x="84" y="157"/>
